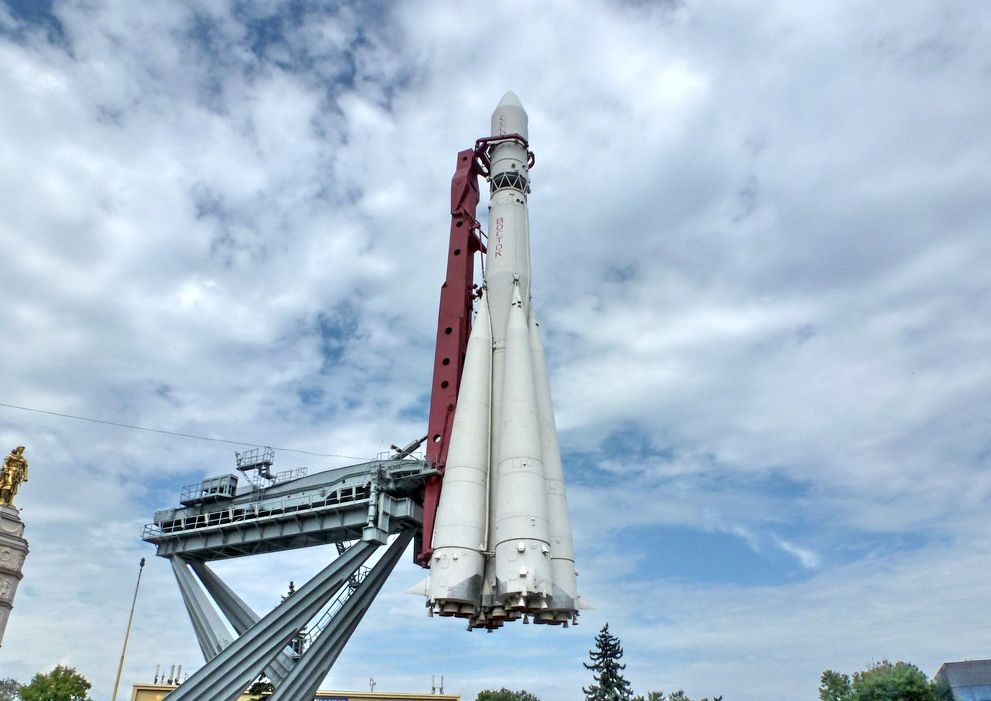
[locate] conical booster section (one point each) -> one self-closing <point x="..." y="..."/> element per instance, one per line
<point x="457" y="563"/>
<point x="564" y="591"/>
<point x="522" y="549"/>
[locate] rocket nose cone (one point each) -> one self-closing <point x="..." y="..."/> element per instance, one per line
<point x="509" y="117"/>
<point x="510" y="100"/>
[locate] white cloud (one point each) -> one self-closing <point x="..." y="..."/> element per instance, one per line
<point x="759" y="235"/>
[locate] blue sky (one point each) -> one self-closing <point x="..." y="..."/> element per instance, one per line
<point x="760" y="245"/>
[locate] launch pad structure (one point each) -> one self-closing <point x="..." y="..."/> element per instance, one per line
<point x="361" y="508"/>
<point x="356" y="508"/>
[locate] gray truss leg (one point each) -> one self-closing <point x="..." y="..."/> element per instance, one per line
<point x="240" y="615"/>
<point x="231" y="605"/>
<point x="227" y="675"/>
<point x="211" y="633"/>
<point x="304" y="679"/>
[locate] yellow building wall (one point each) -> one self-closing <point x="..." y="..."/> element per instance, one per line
<point x="157" y="692"/>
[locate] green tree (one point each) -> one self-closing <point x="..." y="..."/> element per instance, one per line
<point x="673" y="696"/>
<point x="505" y="694"/>
<point x="893" y="682"/>
<point x="883" y="681"/>
<point x="9" y="689"/>
<point x="610" y="684"/>
<point x="260" y="689"/>
<point x="62" y="684"/>
<point x="834" y="686"/>
<point x="651" y="696"/>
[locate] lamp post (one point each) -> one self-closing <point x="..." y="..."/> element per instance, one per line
<point x="120" y="667"/>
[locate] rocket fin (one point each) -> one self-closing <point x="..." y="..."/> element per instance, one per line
<point x="421" y="589"/>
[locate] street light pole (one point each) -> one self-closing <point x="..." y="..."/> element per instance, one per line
<point x="120" y="668"/>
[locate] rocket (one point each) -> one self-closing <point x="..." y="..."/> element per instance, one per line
<point x="502" y="547"/>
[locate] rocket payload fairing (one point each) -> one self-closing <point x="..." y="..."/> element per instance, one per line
<point x="501" y="543"/>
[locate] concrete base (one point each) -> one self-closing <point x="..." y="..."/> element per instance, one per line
<point x="13" y="550"/>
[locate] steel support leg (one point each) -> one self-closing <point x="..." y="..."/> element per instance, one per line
<point x="211" y="633"/>
<point x="227" y="675"/>
<point x="240" y="615"/>
<point x="304" y="679"/>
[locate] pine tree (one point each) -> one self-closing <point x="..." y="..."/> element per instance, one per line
<point x="610" y="684"/>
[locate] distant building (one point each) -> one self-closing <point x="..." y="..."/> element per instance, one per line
<point x="157" y="692"/>
<point x="969" y="681"/>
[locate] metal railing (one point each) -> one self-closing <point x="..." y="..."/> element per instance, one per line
<point x="258" y="511"/>
<point x="254" y="458"/>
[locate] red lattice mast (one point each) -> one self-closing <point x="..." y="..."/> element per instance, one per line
<point x="453" y="329"/>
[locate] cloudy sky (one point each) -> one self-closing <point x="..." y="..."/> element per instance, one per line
<point x="761" y="252"/>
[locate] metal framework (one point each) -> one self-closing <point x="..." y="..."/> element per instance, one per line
<point x="453" y="329"/>
<point x="357" y="508"/>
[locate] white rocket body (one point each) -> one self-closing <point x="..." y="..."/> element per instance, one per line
<point x="502" y="546"/>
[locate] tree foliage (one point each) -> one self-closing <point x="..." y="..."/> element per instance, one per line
<point x="261" y="688"/>
<point x="610" y="684"/>
<point x="673" y="696"/>
<point x="884" y="681"/>
<point x="834" y="686"/>
<point x="652" y="696"/>
<point x="9" y="689"/>
<point x="62" y="684"/>
<point x="505" y="694"/>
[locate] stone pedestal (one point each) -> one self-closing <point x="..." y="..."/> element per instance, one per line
<point x="13" y="550"/>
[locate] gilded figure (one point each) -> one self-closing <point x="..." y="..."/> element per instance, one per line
<point x="15" y="471"/>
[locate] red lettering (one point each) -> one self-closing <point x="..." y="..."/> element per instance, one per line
<point x="498" y="237"/>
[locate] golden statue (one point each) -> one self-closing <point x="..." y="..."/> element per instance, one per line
<point x="15" y="471"/>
